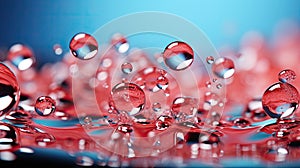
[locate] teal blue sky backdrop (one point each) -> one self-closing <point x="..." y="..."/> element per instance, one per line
<point x="42" y="23"/>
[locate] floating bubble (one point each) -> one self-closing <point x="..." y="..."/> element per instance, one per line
<point x="210" y="59"/>
<point x="45" y="105"/>
<point x="57" y="49"/>
<point x="184" y="106"/>
<point x="21" y="57"/>
<point x="128" y="97"/>
<point x="126" y="68"/>
<point x="178" y="55"/>
<point x="84" y="46"/>
<point x="280" y="100"/>
<point x="156" y="107"/>
<point x="286" y="76"/>
<point x="120" y="43"/>
<point x="223" y="68"/>
<point x="163" y="122"/>
<point x="9" y="89"/>
<point x="9" y="137"/>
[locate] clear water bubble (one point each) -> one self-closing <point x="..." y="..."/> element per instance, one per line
<point x="9" y="137"/>
<point x="126" y="68"/>
<point x="219" y="86"/>
<point x="163" y="122"/>
<point x="210" y="59"/>
<point x="45" y="105"/>
<point x="156" y="107"/>
<point x="184" y="106"/>
<point x="57" y="49"/>
<point x="125" y="128"/>
<point x="9" y="90"/>
<point x="280" y="100"/>
<point x="21" y="57"/>
<point x="120" y="43"/>
<point x="178" y="55"/>
<point x="223" y="68"/>
<point x="286" y="76"/>
<point x="83" y="46"/>
<point x="162" y="82"/>
<point x="128" y="97"/>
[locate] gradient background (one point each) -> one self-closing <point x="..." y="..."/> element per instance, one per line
<point x="42" y="23"/>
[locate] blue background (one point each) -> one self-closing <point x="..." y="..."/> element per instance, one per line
<point x="42" y="23"/>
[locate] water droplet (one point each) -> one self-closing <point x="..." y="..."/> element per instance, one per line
<point x="210" y="99"/>
<point x="254" y="110"/>
<point x="84" y="161"/>
<point x="126" y="68"/>
<point x="156" y="107"/>
<point x="120" y="43"/>
<point x="45" y="105"/>
<point x="184" y="106"/>
<point x="286" y="76"/>
<point x="223" y="68"/>
<point x="280" y="100"/>
<point x="83" y="46"/>
<point x="208" y="84"/>
<point x="178" y="55"/>
<point x="57" y="49"/>
<point x="241" y="122"/>
<point x="162" y="82"/>
<point x="128" y="97"/>
<point x="163" y="122"/>
<point x="125" y="128"/>
<point x="9" y="89"/>
<point x="210" y="59"/>
<point x="21" y="57"/>
<point x="219" y="86"/>
<point x="9" y="137"/>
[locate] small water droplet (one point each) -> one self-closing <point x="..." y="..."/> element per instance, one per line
<point x="19" y="116"/>
<point x="126" y="68"/>
<point x="280" y="100"/>
<point x="223" y="68"/>
<point x="208" y="84"/>
<point x="162" y="82"/>
<point x="163" y="122"/>
<point x="21" y="57"/>
<point x="184" y="106"/>
<point x="286" y="76"/>
<point x="178" y="55"/>
<point x="128" y="97"/>
<point x="44" y="105"/>
<point x="219" y="86"/>
<point x="210" y="59"/>
<point x="120" y="43"/>
<point x="83" y="46"/>
<point x="241" y="122"/>
<point x="156" y="107"/>
<point x="57" y="49"/>
<point x="125" y="128"/>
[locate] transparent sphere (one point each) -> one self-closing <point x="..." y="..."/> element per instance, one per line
<point x="286" y="76"/>
<point x="21" y="57"/>
<point x="83" y="46"/>
<point x="280" y="100"/>
<point x="178" y="55"/>
<point x="9" y="89"/>
<point x="45" y="105"/>
<point x="223" y="68"/>
<point x="128" y="97"/>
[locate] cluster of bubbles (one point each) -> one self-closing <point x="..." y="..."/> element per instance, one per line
<point x="143" y="111"/>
